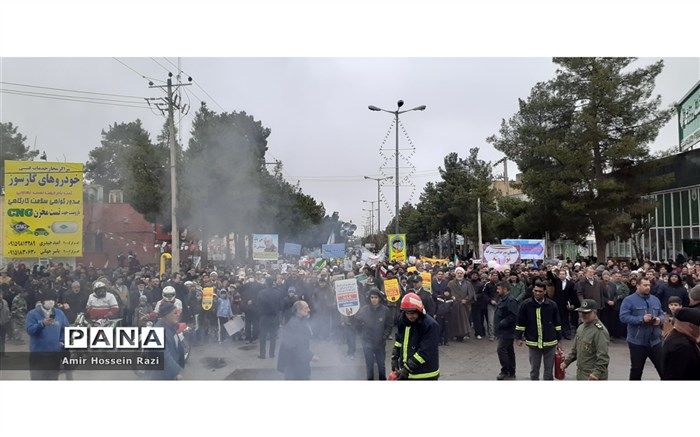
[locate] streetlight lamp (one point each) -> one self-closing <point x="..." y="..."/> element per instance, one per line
<point x="379" y="207"/>
<point x="396" y="113"/>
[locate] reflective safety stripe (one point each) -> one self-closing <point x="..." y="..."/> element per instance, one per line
<point x="519" y="328"/>
<point x="418" y="358"/>
<point x="406" y="333"/>
<point x="557" y="328"/>
<point x="538" y="316"/>
<point x="424" y="375"/>
<point x="397" y="344"/>
<point x="540" y="345"/>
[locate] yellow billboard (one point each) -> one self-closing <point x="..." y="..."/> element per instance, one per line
<point x="43" y="209"/>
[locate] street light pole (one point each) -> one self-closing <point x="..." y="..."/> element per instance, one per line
<point x="371" y="213"/>
<point x="396" y="223"/>
<point x="478" y="220"/>
<point x="379" y="208"/>
<point x="396" y="115"/>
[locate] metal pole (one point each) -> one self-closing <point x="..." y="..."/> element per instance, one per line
<point x="478" y="220"/>
<point x="175" y="251"/>
<point x="396" y="223"/>
<point x="379" y="208"/>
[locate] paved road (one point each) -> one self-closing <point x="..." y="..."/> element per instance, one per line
<point x="235" y="360"/>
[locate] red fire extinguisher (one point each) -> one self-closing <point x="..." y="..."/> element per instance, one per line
<point x="559" y="357"/>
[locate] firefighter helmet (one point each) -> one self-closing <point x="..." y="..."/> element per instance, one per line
<point x="411" y="301"/>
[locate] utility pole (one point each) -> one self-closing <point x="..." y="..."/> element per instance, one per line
<point x="478" y="221"/>
<point x="169" y="104"/>
<point x="371" y="214"/>
<point x="379" y="207"/>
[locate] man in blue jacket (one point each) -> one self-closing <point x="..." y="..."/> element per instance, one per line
<point x="45" y="328"/>
<point x="642" y="313"/>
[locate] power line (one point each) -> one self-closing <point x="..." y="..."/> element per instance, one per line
<point x="160" y="65"/>
<point x="141" y="75"/>
<point x="71" y="90"/>
<point x="69" y="96"/>
<point x="200" y="87"/>
<point x="69" y="99"/>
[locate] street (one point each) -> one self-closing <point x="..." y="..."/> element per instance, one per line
<point x="472" y="360"/>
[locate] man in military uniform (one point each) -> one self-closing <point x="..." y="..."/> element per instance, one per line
<point x="590" y="345"/>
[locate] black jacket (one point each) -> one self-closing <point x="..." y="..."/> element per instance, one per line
<point x="427" y="298"/>
<point x="680" y="358"/>
<point x="269" y="302"/>
<point x="539" y="323"/>
<point x="416" y="347"/>
<point x="568" y="294"/>
<point x="668" y="290"/>
<point x="444" y="307"/>
<point x="506" y="316"/>
<point x="374" y="324"/>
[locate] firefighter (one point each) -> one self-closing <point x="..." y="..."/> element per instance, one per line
<point x="415" y="354"/>
<point x="538" y="322"/>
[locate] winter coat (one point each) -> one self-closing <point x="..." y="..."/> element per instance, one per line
<point x="45" y="338"/>
<point x="680" y="358"/>
<point x="506" y="316"/>
<point x="539" y="323"/>
<point x="595" y="291"/>
<point x="295" y="355"/>
<point x="444" y="307"/>
<point x="427" y="298"/>
<point x="416" y="347"/>
<point x="668" y="290"/>
<point x="374" y="324"/>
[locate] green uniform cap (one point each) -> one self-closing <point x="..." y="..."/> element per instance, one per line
<point x="588" y="305"/>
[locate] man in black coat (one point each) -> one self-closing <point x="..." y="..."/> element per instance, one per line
<point x="416" y="284"/>
<point x="269" y="307"/>
<point x="375" y="323"/>
<point x="295" y="352"/>
<point x="73" y="301"/>
<point x="565" y="298"/>
<point x="680" y="356"/>
<point x="504" y="320"/>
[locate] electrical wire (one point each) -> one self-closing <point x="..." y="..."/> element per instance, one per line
<point x="141" y="75"/>
<point x="5" y="91"/>
<point x="161" y="65"/>
<point x="71" y="90"/>
<point x="67" y="95"/>
<point x="200" y="87"/>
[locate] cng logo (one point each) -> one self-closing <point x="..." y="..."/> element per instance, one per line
<point x="79" y="337"/>
<point x="17" y="212"/>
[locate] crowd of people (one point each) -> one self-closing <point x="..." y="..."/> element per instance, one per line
<point x="653" y="306"/>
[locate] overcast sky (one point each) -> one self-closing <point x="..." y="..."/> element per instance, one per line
<point x="316" y="108"/>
